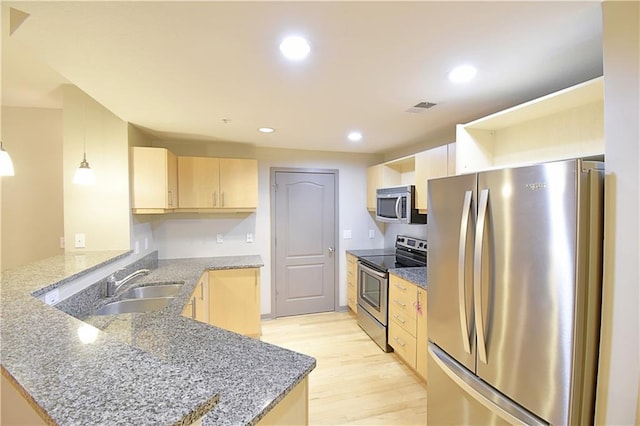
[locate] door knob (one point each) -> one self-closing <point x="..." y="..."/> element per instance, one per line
<point x="331" y="250"/>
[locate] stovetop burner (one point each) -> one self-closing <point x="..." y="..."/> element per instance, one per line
<point x="410" y="252"/>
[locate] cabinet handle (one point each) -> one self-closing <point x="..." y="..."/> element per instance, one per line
<point x="400" y="287"/>
<point x="404" y="305"/>
<point x="193" y="308"/>
<point x="170" y="198"/>
<point x="222" y="199"/>
<point x="202" y="292"/>
<point x="400" y="342"/>
<point x="396" y="316"/>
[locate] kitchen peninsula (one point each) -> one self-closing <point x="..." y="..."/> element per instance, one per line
<point x="152" y="368"/>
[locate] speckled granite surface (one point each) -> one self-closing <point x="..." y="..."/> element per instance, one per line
<point x="372" y="252"/>
<point x="153" y="368"/>
<point x="418" y="276"/>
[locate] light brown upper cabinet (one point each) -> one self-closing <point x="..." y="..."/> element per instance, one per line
<point x="429" y="164"/>
<point x="217" y="183"/>
<point x="154" y="180"/>
<point x="562" y="125"/>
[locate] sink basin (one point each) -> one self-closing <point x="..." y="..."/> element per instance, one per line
<point x="130" y="306"/>
<point x="150" y="291"/>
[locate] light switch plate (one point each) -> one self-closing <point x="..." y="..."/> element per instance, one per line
<point x="372" y="233"/>
<point x="249" y="237"/>
<point x="347" y="234"/>
<point x="219" y="239"/>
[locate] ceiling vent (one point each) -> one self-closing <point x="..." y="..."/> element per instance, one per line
<point x="420" y="107"/>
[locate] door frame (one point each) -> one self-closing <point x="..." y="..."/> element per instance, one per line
<point x="272" y="207"/>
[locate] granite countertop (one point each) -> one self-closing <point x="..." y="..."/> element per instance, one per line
<point x="152" y="368"/>
<point x="417" y="276"/>
<point x="373" y="252"/>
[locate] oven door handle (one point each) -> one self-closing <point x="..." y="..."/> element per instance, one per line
<point x="372" y="271"/>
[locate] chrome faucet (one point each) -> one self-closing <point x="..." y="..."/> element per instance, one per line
<point x="113" y="285"/>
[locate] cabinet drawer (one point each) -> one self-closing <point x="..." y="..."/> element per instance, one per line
<point x="407" y="323"/>
<point x="402" y="343"/>
<point x="403" y="304"/>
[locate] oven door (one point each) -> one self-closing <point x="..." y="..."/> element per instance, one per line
<point x="373" y="287"/>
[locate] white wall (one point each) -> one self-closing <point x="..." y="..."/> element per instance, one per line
<point x="194" y="235"/>
<point x="32" y="211"/>
<point x="619" y="368"/>
<point x="100" y="211"/>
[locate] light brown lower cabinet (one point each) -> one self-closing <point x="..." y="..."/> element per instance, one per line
<point x="198" y="306"/>
<point x="352" y="283"/>
<point x="229" y="299"/>
<point x="292" y="410"/>
<point x="234" y="300"/>
<point x="408" y="323"/>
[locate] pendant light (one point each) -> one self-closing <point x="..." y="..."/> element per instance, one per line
<point x="84" y="174"/>
<point x="6" y="165"/>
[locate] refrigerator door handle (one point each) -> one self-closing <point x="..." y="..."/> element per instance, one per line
<point x="477" y="274"/>
<point x="481" y="392"/>
<point x="462" y="250"/>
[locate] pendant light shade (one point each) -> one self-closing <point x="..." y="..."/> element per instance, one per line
<point x="6" y="165"/>
<point x="84" y="174"/>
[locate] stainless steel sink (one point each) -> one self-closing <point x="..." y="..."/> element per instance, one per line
<point x="149" y="291"/>
<point x="130" y="306"/>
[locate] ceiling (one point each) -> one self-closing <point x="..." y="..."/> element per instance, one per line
<point x="213" y="70"/>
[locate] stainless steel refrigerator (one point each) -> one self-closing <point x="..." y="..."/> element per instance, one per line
<point x="514" y="283"/>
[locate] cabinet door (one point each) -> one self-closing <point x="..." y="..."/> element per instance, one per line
<point x="451" y="159"/>
<point x="430" y="164"/>
<point x="238" y="183"/>
<point x="198" y="182"/>
<point x="374" y="181"/>
<point x="153" y="185"/>
<point x="352" y="283"/>
<point x="421" y="333"/>
<point x="172" y="180"/>
<point x="234" y="300"/>
<point x="201" y="299"/>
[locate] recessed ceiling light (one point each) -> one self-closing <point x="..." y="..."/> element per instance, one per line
<point x="354" y="136"/>
<point x="295" y="48"/>
<point x="266" y="130"/>
<point x="463" y="74"/>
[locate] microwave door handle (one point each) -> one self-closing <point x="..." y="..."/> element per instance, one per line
<point x="477" y="275"/>
<point x="398" y="213"/>
<point x="462" y="250"/>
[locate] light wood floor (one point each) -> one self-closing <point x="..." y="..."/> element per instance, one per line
<point x="354" y="382"/>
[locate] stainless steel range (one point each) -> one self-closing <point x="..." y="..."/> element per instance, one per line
<point x="373" y="285"/>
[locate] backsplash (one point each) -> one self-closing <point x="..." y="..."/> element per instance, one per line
<point x="81" y="304"/>
<point x="394" y="229"/>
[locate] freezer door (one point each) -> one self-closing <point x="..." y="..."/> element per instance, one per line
<point x="525" y="284"/>
<point x="450" y="228"/>
<point x="463" y="399"/>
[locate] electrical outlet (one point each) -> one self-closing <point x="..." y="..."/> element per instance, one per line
<point x="80" y="241"/>
<point x="146" y="243"/>
<point x="136" y="247"/>
<point x="249" y="237"/>
<point x="372" y="233"/>
<point x="219" y="239"/>
<point x="52" y="297"/>
<point x="62" y="242"/>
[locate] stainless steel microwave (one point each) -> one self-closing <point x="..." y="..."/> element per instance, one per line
<point x="397" y="205"/>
